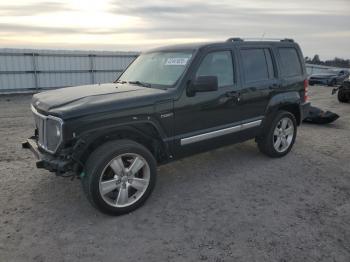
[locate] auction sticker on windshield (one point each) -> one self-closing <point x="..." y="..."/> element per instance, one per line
<point x="176" y="61"/>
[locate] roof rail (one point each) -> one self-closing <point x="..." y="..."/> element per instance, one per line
<point x="234" y="39"/>
<point x="287" y="40"/>
<point x="237" y="39"/>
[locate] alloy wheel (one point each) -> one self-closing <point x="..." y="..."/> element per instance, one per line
<point x="283" y="134"/>
<point x="124" y="180"/>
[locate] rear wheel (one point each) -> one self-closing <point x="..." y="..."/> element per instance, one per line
<point x="342" y="96"/>
<point x="279" y="137"/>
<point x="119" y="176"/>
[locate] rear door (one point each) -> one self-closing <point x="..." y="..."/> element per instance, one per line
<point x="259" y="79"/>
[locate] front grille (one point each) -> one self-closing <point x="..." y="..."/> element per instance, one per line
<point x="41" y="123"/>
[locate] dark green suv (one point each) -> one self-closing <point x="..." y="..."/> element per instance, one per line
<point x="171" y="102"/>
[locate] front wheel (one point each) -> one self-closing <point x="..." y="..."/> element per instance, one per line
<point x="119" y="176"/>
<point x="279" y="136"/>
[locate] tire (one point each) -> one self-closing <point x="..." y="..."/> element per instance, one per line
<point x="342" y="96"/>
<point x="267" y="142"/>
<point x="119" y="176"/>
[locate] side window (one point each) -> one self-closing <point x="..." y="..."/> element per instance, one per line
<point x="257" y="64"/>
<point x="217" y="64"/>
<point x="290" y="61"/>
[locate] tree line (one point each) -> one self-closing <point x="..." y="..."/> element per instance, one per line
<point x="336" y="62"/>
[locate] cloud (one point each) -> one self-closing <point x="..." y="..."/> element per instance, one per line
<point x="305" y="21"/>
<point x="319" y="25"/>
<point x="33" y="9"/>
<point x="226" y="17"/>
<point x="7" y="28"/>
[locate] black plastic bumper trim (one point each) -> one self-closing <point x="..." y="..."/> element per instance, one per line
<point x="32" y="146"/>
<point x="305" y="108"/>
<point x="46" y="161"/>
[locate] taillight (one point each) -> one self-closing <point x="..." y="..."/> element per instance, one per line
<point x="306" y="86"/>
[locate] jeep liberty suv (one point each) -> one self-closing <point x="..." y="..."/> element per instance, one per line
<point x="169" y="103"/>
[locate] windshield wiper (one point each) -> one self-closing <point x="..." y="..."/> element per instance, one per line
<point x="139" y="83"/>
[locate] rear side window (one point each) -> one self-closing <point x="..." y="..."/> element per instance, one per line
<point x="218" y="64"/>
<point x="290" y="61"/>
<point x="257" y="64"/>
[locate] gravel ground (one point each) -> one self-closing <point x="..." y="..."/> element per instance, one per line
<point x="231" y="204"/>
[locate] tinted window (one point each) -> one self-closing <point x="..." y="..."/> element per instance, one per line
<point x="218" y="64"/>
<point x="255" y="65"/>
<point x="290" y="62"/>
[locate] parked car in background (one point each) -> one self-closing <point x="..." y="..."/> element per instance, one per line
<point x="171" y="102"/>
<point x="343" y="91"/>
<point x="332" y="78"/>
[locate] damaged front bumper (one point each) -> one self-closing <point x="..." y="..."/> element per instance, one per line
<point x="52" y="163"/>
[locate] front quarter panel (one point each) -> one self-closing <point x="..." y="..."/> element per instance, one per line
<point x="153" y="121"/>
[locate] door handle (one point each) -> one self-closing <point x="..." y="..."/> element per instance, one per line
<point x="234" y="94"/>
<point x="274" y="86"/>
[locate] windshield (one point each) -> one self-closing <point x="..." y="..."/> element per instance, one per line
<point x="157" y="68"/>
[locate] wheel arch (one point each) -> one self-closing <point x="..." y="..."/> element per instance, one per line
<point x="293" y="109"/>
<point x="144" y="133"/>
<point x="289" y="101"/>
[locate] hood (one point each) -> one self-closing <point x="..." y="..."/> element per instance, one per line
<point x="82" y="100"/>
<point x="323" y="75"/>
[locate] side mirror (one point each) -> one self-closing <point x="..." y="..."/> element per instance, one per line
<point x="204" y="84"/>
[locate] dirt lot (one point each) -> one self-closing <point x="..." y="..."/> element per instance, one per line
<point x="232" y="204"/>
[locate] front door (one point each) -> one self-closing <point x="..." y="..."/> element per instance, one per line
<point x="208" y="118"/>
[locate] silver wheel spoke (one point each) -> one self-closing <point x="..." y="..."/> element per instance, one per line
<point x="276" y="132"/>
<point x="289" y="131"/>
<point x="284" y="143"/>
<point x="136" y="166"/>
<point x="139" y="183"/>
<point x="122" y="196"/>
<point x="118" y="166"/>
<point x="284" y="123"/>
<point x="108" y="186"/>
<point x="278" y="142"/>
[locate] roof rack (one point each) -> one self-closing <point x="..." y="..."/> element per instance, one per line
<point x="237" y="39"/>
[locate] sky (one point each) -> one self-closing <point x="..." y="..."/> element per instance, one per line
<point x="319" y="26"/>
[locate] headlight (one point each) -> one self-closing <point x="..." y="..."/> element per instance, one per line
<point x="53" y="133"/>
